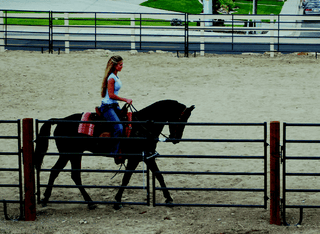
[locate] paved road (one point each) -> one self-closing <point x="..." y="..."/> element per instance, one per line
<point x="79" y="6"/>
<point x="289" y="7"/>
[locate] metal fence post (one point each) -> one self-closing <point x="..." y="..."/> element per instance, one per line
<point x="275" y="173"/>
<point x="29" y="180"/>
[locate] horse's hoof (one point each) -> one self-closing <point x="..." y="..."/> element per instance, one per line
<point x="169" y="202"/>
<point x="117" y="206"/>
<point x="43" y="203"/>
<point x="92" y="206"/>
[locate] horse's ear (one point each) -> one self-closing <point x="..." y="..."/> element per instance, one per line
<point x="188" y="111"/>
<point x="191" y="108"/>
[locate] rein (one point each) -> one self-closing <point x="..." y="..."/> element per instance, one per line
<point x="166" y="137"/>
<point x="117" y="171"/>
<point x="131" y="106"/>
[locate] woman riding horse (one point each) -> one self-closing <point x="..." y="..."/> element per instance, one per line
<point x="71" y="144"/>
<point x="110" y="93"/>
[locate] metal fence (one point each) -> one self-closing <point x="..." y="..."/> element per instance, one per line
<point x="212" y="175"/>
<point x="262" y="173"/>
<point x="301" y="155"/>
<point x="305" y="187"/>
<point x="186" y="33"/>
<point x="15" y="173"/>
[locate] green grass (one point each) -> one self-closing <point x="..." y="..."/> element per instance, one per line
<point x="194" y="7"/>
<point x="185" y="6"/>
<point x="91" y="22"/>
<point x="265" y="7"/>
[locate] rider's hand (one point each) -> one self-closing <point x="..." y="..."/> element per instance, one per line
<point x="129" y="101"/>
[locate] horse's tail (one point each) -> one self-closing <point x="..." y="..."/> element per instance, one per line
<point x="42" y="144"/>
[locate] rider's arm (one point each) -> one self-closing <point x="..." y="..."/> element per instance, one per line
<point x="114" y="96"/>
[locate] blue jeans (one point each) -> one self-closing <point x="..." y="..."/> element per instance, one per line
<point x="109" y="113"/>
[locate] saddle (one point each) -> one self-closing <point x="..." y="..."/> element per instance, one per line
<point x="124" y="115"/>
<point x="88" y="128"/>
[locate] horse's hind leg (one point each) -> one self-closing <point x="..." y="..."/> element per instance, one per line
<point x="76" y="177"/>
<point x="132" y="165"/>
<point x="60" y="164"/>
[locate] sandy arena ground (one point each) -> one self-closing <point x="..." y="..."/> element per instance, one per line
<point x="224" y="88"/>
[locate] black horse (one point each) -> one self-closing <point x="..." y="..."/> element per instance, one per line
<point x="162" y="111"/>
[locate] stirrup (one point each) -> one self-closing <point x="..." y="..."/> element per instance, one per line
<point x="151" y="155"/>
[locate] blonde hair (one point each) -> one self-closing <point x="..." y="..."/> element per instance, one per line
<point x="112" y="63"/>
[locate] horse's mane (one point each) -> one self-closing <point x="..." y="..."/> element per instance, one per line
<point x="156" y="110"/>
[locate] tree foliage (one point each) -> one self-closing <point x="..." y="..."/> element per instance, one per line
<point x="217" y="4"/>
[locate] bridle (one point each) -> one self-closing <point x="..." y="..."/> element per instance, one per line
<point x="135" y="110"/>
<point x="166" y="137"/>
<point x="181" y="119"/>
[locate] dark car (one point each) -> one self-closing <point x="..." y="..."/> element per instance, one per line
<point x="312" y="8"/>
<point x="306" y="2"/>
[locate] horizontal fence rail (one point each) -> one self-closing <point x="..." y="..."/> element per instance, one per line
<point x="177" y="32"/>
<point x="262" y="173"/>
<point x="15" y="125"/>
<point x="286" y="158"/>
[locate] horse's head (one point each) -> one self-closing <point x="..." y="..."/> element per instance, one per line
<point x="176" y="130"/>
<point x="164" y="111"/>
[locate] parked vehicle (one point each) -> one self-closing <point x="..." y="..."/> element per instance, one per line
<point x="312" y="9"/>
<point x="176" y="22"/>
<point x="306" y="2"/>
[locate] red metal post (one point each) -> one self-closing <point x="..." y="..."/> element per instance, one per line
<point x="275" y="173"/>
<point x="29" y="179"/>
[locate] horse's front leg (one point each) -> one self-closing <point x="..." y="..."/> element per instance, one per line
<point x="132" y="165"/>
<point x="152" y="165"/>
